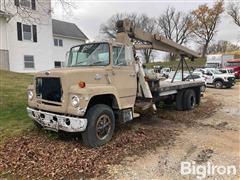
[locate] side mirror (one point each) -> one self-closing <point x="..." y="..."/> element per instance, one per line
<point x="209" y="74"/>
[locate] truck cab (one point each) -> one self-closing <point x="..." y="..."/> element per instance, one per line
<point x="96" y="73"/>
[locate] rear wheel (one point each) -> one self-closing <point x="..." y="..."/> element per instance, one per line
<point x="179" y="100"/>
<point x="189" y="99"/>
<point x="101" y="124"/>
<point x="218" y="84"/>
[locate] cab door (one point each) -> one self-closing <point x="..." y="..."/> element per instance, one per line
<point x="209" y="77"/>
<point x="123" y="74"/>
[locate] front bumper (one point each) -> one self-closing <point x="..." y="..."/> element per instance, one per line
<point x="56" y="122"/>
<point x="229" y="83"/>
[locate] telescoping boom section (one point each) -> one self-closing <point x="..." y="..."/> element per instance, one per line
<point x="150" y="41"/>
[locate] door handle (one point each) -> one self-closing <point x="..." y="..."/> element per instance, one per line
<point x="133" y="75"/>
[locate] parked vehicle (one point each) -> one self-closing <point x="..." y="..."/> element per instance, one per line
<point x="217" y="60"/>
<point x="235" y="65"/>
<point x="195" y="76"/>
<point x="165" y="72"/>
<point x="226" y="71"/>
<point x="218" y="79"/>
<point x="105" y="83"/>
<point x="178" y="76"/>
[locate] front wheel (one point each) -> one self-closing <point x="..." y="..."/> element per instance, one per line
<point x="101" y="125"/>
<point x="218" y="84"/>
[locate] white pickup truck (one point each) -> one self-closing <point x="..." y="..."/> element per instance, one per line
<point x="217" y="78"/>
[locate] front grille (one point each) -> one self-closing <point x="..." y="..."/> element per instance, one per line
<point x="49" y="89"/>
<point x="231" y="79"/>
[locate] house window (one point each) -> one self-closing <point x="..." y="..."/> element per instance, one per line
<point x="25" y="3"/>
<point x="57" y="64"/>
<point x="55" y="42"/>
<point x="28" y="62"/>
<point x="58" y="42"/>
<point x="27" y="32"/>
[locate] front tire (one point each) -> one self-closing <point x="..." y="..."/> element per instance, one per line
<point x="101" y="125"/>
<point x="218" y="84"/>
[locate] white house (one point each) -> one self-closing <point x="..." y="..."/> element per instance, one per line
<point x="30" y="40"/>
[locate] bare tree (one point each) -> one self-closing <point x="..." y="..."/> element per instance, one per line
<point x="175" y="25"/>
<point x="25" y="10"/>
<point x="222" y="47"/>
<point x="233" y="10"/>
<point x="141" y="21"/>
<point x="109" y="28"/>
<point x="204" y="23"/>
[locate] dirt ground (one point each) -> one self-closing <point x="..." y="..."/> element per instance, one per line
<point x="151" y="147"/>
<point x="215" y="139"/>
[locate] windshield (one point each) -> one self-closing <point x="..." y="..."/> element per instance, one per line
<point x="215" y="71"/>
<point x="94" y="54"/>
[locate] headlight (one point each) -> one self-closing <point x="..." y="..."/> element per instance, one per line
<point x="30" y="94"/>
<point x="75" y="101"/>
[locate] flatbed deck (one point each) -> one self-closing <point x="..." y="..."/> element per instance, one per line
<point x="165" y="86"/>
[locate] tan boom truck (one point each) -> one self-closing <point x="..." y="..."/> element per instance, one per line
<point x="104" y="83"/>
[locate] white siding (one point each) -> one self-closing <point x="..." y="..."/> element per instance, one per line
<point x="41" y="50"/>
<point x="3" y="34"/>
<point x="44" y="51"/>
<point x="59" y="53"/>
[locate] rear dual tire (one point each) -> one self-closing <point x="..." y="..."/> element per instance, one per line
<point x="186" y="100"/>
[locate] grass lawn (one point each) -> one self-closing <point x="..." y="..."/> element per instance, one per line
<point x="13" y="101"/>
<point x="200" y="62"/>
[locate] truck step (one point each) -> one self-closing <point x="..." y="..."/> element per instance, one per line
<point x="136" y="115"/>
<point x="143" y="105"/>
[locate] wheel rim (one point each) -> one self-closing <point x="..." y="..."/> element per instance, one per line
<point x="218" y="84"/>
<point x="103" y="127"/>
<point x="192" y="101"/>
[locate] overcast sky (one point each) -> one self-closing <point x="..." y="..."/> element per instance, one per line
<point x="89" y="15"/>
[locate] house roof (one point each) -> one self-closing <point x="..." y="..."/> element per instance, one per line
<point x="66" y="29"/>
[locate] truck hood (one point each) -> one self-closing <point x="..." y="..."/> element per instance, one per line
<point x="70" y="76"/>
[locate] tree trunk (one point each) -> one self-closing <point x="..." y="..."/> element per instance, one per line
<point x="172" y="57"/>
<point x="204" y="52"/>
<point x="147" y="54"/>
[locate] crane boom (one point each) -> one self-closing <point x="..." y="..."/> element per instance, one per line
<point x="151" y="41"/>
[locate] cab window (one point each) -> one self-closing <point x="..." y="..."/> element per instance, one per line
<point x="119" y="56"/>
